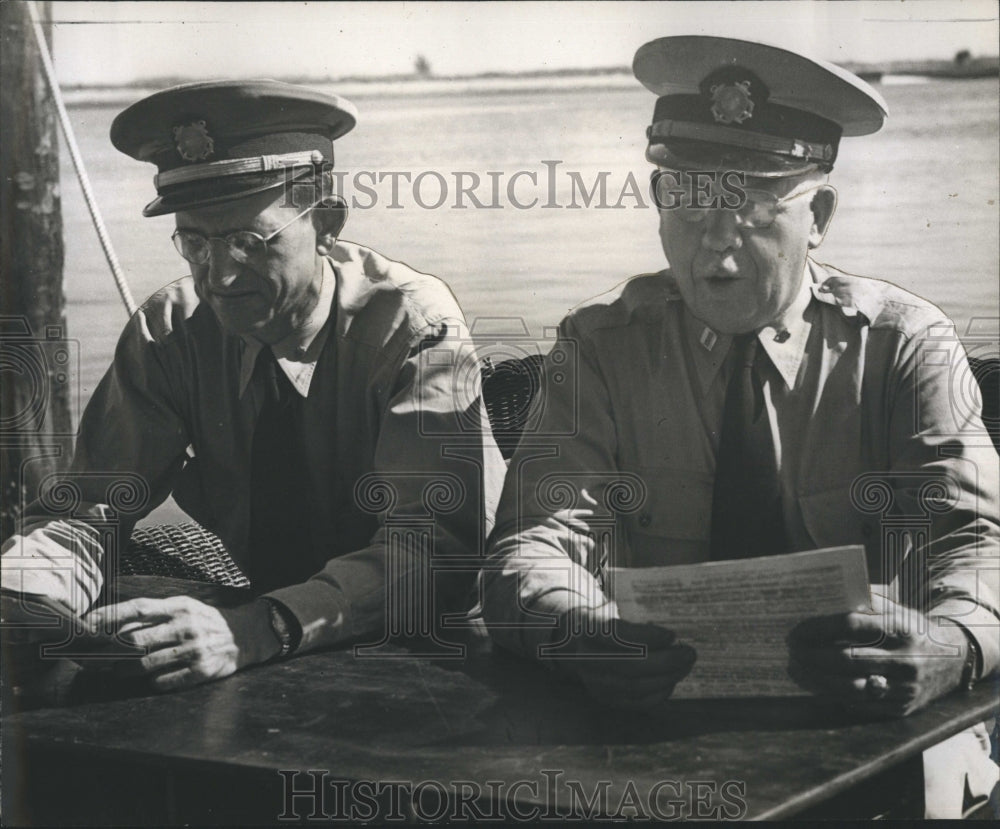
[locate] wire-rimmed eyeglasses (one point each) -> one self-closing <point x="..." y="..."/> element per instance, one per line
<point x="242" y="244"/>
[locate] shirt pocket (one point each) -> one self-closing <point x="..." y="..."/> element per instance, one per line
<point x="678" y="505"/>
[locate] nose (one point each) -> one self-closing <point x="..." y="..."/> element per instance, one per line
<point x="721" y="231"/>
<point x="222" y="268"/>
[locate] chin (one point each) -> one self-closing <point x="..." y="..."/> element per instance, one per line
<point x="730" y="324"/>
<point x="239" y="326"/>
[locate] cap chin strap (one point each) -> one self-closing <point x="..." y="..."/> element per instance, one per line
<point x="236" y="167"/>
<point x="662" y="131"/>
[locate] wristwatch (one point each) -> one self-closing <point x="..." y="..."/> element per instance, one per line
<point x="284" y="626"/>
<point x="972" y="668"/>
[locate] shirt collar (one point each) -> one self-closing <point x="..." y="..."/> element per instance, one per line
<point x="297" y="353"/>
<point x="784" y="341"/>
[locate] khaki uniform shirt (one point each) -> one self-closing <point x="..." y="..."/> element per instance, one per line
<point x="399" y="447"/>
<point x="878" y="431"/>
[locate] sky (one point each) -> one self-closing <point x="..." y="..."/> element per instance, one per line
<point x="112" y="43"/>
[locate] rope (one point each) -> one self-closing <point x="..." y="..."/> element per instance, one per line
<point x="81" y="172"/>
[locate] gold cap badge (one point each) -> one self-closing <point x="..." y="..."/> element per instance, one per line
<point x="193" y="141"/>
<point x="731" y="103"/>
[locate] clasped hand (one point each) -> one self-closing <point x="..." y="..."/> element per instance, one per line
<point x="921" y="657"/>
<point x="622" y="664"/>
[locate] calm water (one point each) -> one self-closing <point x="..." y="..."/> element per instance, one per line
<point x="918" y="205"/>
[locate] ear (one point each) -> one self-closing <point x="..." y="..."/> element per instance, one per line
<point x="329" y="219"/>
<point x="823" y="206"/>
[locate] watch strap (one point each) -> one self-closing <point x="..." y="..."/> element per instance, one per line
<point x="972" y="668"/>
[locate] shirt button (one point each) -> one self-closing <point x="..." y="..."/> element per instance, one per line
<point x="645" y="519"/>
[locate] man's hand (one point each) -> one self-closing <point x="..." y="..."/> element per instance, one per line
<point x="188" y="642"/>
<point x="920" y="657"/>
<point x="602" y="653"/>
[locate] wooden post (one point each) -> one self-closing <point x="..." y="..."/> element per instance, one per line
<point x="37" y="364"/>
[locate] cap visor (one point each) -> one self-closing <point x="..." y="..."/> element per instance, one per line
<point x="691" y="155"/>
<point x="218" y="191"/>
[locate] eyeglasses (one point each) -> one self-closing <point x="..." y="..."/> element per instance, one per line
<point x="242" y="244"/>
<point x="754" y="209"/>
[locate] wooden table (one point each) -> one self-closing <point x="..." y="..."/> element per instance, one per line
<point x="397" y="736"/>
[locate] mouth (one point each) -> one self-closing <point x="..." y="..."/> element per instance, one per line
<point x="229" y="296"/>
<point x="721" y="271"/>
<point x="721" y="277"/>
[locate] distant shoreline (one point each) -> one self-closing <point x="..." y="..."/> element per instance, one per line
<point x="354" y="89"/>
<point x="544" y="79"/>
<point x="488" y="83"/>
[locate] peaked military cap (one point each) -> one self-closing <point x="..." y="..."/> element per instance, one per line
<point x="221" y="140"/>
<point x="750" y="107"/>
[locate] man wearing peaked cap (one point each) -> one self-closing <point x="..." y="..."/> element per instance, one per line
<point x="750" y="107"/>
<point x="216" y="141"/>
<point x="747" y="392"/>
<point x="271" y="392"/>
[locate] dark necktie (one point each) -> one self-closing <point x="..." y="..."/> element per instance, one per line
<point x="280" y="544"/>
<point x="746" y="501"/>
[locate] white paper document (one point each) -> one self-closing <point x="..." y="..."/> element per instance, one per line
<point x="737" y="614"/>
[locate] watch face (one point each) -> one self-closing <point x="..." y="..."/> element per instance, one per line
<point x="279" y="624"/>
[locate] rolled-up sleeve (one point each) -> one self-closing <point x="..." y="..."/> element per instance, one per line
<point x="555" y="525"/>
<point x="946" y="468"/>
<point x="131" y="444"/>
